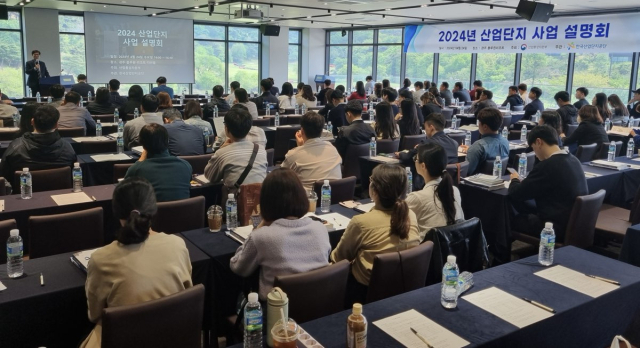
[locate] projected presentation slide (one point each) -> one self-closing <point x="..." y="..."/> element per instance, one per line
<point x="138" y="49"/>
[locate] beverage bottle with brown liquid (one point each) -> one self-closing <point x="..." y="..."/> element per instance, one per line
<point x="357" y="328"/>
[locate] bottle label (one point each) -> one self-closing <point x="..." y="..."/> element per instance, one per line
<point x="14" y="250"/>
<point x="231" y="209"/>
<point x="25" y="181"/>
<point x="326" y="194"/>
<point x="450" y="277"/>
<point x="357" y="339"/>
<point x="77" y="176"/>
<point x="548" y="241"/>
<point x="253" y="322"/>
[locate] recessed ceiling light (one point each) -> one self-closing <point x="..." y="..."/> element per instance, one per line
<point x="21" y="4"/>
<point x="196" y="6"/>
<point x="333" y="15"/>
<point x="124" y="2"/>
<point x="387" y="9"/>
<point x="308" y="16"/>
<point x="104" y="5"/>
<point x="28" y="0"/>
<point x="273" y="20"/>
<point x="424" y="5"/>
<point x="153" y="14"/>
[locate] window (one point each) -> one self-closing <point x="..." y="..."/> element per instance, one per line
<point x="209" y="55"/>
<point x="12" y="77"/>
<point x="72" y="52"/>
<point x="603" y="72"/>
<point x="338" y="64"/>
<point x="336" y="38"/>
<point x="454" y="67"/>
<point x="389" y="58"/>
<point x="295" y="48"/>
<point x="361" y="63"/>
<point x="547" y="71"/>
<point x="495" y="70"/>
<point x="419" y="67"/>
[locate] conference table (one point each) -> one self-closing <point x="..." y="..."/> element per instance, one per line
<point x="580" y="321"/>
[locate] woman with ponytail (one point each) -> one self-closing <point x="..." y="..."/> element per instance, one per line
<point x="141" y="265"/>
<point x="438" y="203"/>
<point x="390" y="226"/>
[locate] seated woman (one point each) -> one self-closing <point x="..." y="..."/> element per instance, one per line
<point x="385" y="125"/>
<point x="164" y="102"/>
<point x="285" y="242"/>
<point x="360" y="93"/>
<point x="26" y="115"/>
<point x="133" y="102"/>
<point x="307" y="98"/>
<point x="590" y="129"/>
<point x="408" y="119"/>
<point x="193" y="116"/>
<point x="377" y="93"/>
<point x="328" y="104"/>
<point x="438" y="203"/>
<point x="600" y="101"/>
<point x="286" y="98"/>
<point x="141" y="265"/>
<point x="430" y="105"/>
<point x="389" y="227"/>
<point x="242" y="98"/>
<point x="101" y="105"/>
<point x="552" y="118"/>
<point x="620" y="111"/>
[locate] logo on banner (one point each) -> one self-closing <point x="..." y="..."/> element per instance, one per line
<point x="570" y="46"/>
<point x="523" y="47"/>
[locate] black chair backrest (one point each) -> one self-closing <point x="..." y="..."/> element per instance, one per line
<point x="79" y="230"/>
<point x="456" y="174"/>
<point x="5" y="227"/>
<point x="395" y="273"/>
<point x="120" y="170"/>
<point x="531" y="161"/>
<point x="387" y="145"/>
<point x="104" y="118"/>
<point x="11" y="134"/>
<point x="197" y="162"/>
<point x="582" y="221"/>
<point x="585" y="153"/>
<point x="487" y="167"/>
<point x="281" y="145"/>
<point x="352" y="160"/>
<point x="91" y="147"/>
<point x="305" y="303"/>
<point x="634" y="212"/>
<point x="190" y="212"/>
<point x="458" y="137"/>
<point x="47" y="179"/>
<point x="410" y="141"/>
<point x="171" y="321"/>
<point x="293" y="120"/>
<point x="517" y="107"/>
<point x="506" y="121"/>
<point x="571" y="128"/>
<point x="72" y="132"/>
<point x="3" y="187"/>
<point x="463" y="239"/>
<point x="341" y="189"/>
<point x="270" y="153"/>
<point x="447" y="113"/>
<point x="449" y="122"/>
<point x="261" y="122"/>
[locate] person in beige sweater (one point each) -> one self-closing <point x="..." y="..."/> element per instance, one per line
<point x="141" y="265"/>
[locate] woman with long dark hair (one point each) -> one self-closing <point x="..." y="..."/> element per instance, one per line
<point x="164" y="101"/>
<point x="385" y="124"/>
<point x="377" y="92"/>
<point x="133" y="102"/>
<point x="600" y="101"/>
<point x="620" y="111"/>
<point x="438" y="203"/>
<point x="307" y="98"/>
<point x="590" y="129"/>
<point x="193" y="116"/>
<point x="26" y="115"/>
<point x="552" y="119"/>
<point x="360" y="93"/>
<point x="101" y="105"/>
<point x="242" y="98"/>
<point x="328" y="105"/>
<point x="286" y="99"/>
<point x="408" y="118"/>
<point x="430" y="105"/>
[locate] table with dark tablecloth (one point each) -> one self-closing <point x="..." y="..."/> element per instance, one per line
<point x="630" y="252"/>
<point x="270" y="133"/>
<point x="55" y="315"/>
<point x="580" y="321"/>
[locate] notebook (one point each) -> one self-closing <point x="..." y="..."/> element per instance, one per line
<point x="218" y="125"/>
<point x="81" y="259"/>
<point x="240" y="234"/>
<point x="364" y="208"/>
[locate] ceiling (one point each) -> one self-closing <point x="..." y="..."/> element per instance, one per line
<point x="334" y="13"/>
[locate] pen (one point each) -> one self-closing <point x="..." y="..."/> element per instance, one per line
<point x="339" y="224"/>
<point x="94" y="198"/>
<point x="539" y="305"/>
<point x="603" y="279"/>
<point x="41" y="280"/>
<point x="421" y="338"/>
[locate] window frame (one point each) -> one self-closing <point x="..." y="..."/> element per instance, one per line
<point x="22" y="53"/>
<point x="299" y="48"/>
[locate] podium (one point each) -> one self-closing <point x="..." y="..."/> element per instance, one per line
<point x="65" y="80"/>
<point x="319" y="80"/>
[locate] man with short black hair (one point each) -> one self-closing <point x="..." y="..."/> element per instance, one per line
<point x="390" y="95"/>
<point x="434" y="125"/>
<point x="5" y="99"/>
<point x="274" y="89"/>
<point x="534" y="105"/>
<point x="490" y="144"/>
<point x="184" y="139"/>
<point x="148" y="108"/>
<point x="230" y="161"/>
<point x="460" y="93"/>
<point x="370" y="85"/>
<point x="266" y="97"/>
<point x="581" y="95"/>
<point x="554" y="184"/>
<point x="418" y="92"/>
<point x="446" y="93"/>
<point x="36" y="69"/>
<point x="57" y="93"/>
<point x="82" y="87"/>
<point x="162" y="87"/>
<point x="41" y="149"/>
<point x="315" y="158"/>
<point x="216" y="100"/>
<point x="73" y="115"/>
<point x="170" y="176"/>
<point x="633" y="104"/>
<point x="116" y="99"/>
<point x="513" y="99"/>
<point x="472" y="92"/>
<point x="7" y="110"/>
<point x="485" y="101"/>
<point x="256" y="135"/>
<point x="357" y="132"/>
<point x="321" y="96"/>
<point x="232" y="97"/>
<point x="568" y="113"/>
<point x="522" y="90"/>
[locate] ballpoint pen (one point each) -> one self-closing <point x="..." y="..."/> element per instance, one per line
<point x="539" y="305"/>
<point x="421" y="338"/>
<point x="41" y="280"/>
<point x="603" y="279"/>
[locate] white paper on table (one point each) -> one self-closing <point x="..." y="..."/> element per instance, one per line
<point x="399" y="327"/>
<point x="636" y="159"/>
<point x="271" y="128"/>
<point x="81" y="139"/>
<point x="203" y="179"/>
<point x="71" y="198"/>
<point x="386" y="159"/>
<point x="138" y="149"/>
<point x="108" y="124"/>
<point x="591" y="175"/>
<point x="338" y="221"/>
<point x="2" y="287"/>
<point x="365" y="208"/>
<point x="110" y="157"/>
<point x="577" y="281"/>
<point x="113" y="135"/>
<point x="2" y="205"/>
<point x="507" y="307"/>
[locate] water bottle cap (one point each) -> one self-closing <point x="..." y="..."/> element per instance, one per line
<point x="98" y="121"/>
<point x="498" y="158"/>
<point x="253" y="297"/>
<point x="548" y="225"/>
<point x="76" y="165"/>
<point x="230" y="196"/>
<point x="451" y="259"/>
<point x="373" y="138"/>
<point x="14" y="233"/>
<point x="326" y="182"/>
<point x="357" y="309"/>
<point x="26" y="170"/>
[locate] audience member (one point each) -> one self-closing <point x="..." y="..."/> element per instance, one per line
<point x="57" y="93"/>
<point x="360" y="93"/>
<point x="307" y="98"/>
<point x="390" y="95"/>
<point x="490" y="144"/>
<point x="600" y="102"/>
<point x="567" y="112"/>
<point x="72" y="115"/>
<point x="522" y="90"/>
<point x="193" y="116"/>
<point x="590" y="129"/>
<point x="620" y="111"/>
<point x="328" y="105"/>
<point x="357" y="132"/>
<point x="242" y="98"/>
<point x="26" y="124"/>
<point x="274" y="89"/>
<point x="534" y="104"/>
<point x="446" y="93"/>
<point x="408" y="119"/>
<point x="216" y="100"/>
<point x="286" y="99"/>
<point x="266" y="96"/>
<point x="408" y="95"/>
<point x="116" y="99"/>
<point x="436" y="94"/>
<point x="4" y="99"/>
<point x="406" y="84"/>
<point x="554" y="191"/>
<point x="513" y="99"/>
<point x="232" y="96"/>
<point x="164" y="102"/>
<point x="385" y="124"/>
<point x="140" y="265"/>
<point x="322" y="93"/>
<point x="162" y="87"/>
<point x="553" y="120"/>
<point x="184" y="139"/>
<point x="418" y="92"/>
<point x="485" y="101"/>
<point x="82" y="87"/>
<point x="101" y="104"/>
<point x="41" y="149"/>
<point x="377" y="93"/>
<point x="460" y="93"/>
<point x="430" y="105"/>
<point x="341" y="88"/>
<point x="7" y="111"/>
<point x="148" y="109"/>
<point x="368" y="87"/>
<point x="256" y="135"/>
<point x="472" y="92"/>
<point x="386" y="84"/>
<point x="298" y="90"/>
<point x="434" y="128"/>
<point x="285" y="242"/>
<point x="337" y="115"/>
<point x="133" y="102"/>
<point x="581" y="95"/>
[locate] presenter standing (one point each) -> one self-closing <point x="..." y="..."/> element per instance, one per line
<point x="36" y="69"/>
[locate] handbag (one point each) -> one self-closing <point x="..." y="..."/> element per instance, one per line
<point x="226" y="190"/>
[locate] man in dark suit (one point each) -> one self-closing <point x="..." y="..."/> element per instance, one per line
<point x="446" y="93"/>
<point x="321" y="95"/>
<point x="36" y="70"/>
<point x="266" y="95"/>
<point x="82" y="87"/>
<point x="535" y="105"/>
<point x="116" y="99"/>
<point x="357" y="132"/>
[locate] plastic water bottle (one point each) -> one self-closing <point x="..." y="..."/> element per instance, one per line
<point x="26" y="185"/>
<point x="631" y="121"/>
<point x="508" y="106"/>
<point x="276" y="120"/>
<point x="116" y="116"/>
<point x="630" y="148"/>
<point x="81" y="100"/>
<point x="16" y="119"/>
<point x="523" y="134"/>
<point x="206" y="136"/>
<point x="449" y="293"/>
<point x="497" y="167"/>
<point x="136" y="113"/>
<point x="611" y="154"/>
<point x="120" y="143"/>
<point x="15" y="267"/>
<point x="182" y="99"/>
<point x="49" y="100"/>
<point x="304" y="109"/>
<point x="267" y="109"/>
<point x="372" y="115"/>
<point x="505" y="133"/>
<point x="38" y="98"/>
<point x="465" y="281"/>
<point x="77" y="177"/>
<point x="547" y="243"/>
<point x="206" y="95"/>
<point x="253" y="322"/>
<point x="607" y="124"/>
<point x="537" y="116"/>
<point x="325" y="202"/>
<point x="98" y="128"/>
<point x="409" y="180"/>
<point x="467" y="139"/>
<point x="454" y="122"/>
<point x="522" y="165"/>
<point x="89" y="95"/>
<point x="232" y="212"/>
<point x="215" y="111"/>
<point x="373" y="151"/>
<point x="184" y="93"/>
<point x="330" y="127"/>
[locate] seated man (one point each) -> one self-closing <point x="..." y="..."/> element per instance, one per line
<point x="216" y="100"/>
<point x="568" y="113"/>
<point x="57" y="93"/>
<point x="460" y="93"/>
<point x="117" y="100"/>
<point x="148" y="108"/>
<point x="513" y="99"/>
<point x="256" y="135"/>
<point x="82" y="87"/>
<point x="314" y="158"/>
<point x="72" y="115"/>
<point x="41" y="149"/>
<point x="553" y="184"/>
<point x="490" y="144"/>
<point x="162" y="87"/>
<point x="4" y="99"/>
<point x="184" y="139"/>
<point x="357" y="132"/>
<point x="434" y="128"/>
<point x="390" y="95"/>
<point x="485" y="102"/>
<point x="535" y="105"/>
<point x="230" y="161"/>
<point x="265" y="86"/>
<point x="170" y="176"/>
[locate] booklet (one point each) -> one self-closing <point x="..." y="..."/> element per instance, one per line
<point x="81" y="259"/>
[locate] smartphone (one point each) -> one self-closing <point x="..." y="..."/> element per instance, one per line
<point x="512" y="171"/>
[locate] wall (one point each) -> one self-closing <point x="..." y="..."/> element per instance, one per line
<point x="41" y="33"/>
<point x="313" y="54"/>
<point x="275" y="50"/>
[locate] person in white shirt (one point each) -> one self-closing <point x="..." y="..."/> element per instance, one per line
<point x="307" y="98"/>
<point x="522" y="90"/>
<point x="315" y="158"/>
<point x="231" y="98"/>
<point x="286" y="100"/>
<point x="148" y="108"/>
<point x="370" y="85"/>
<point x="256" y="135"/>
<point x="438" y="203"/>
<point x="419" y="91"/>
<point x="242" y="98"/>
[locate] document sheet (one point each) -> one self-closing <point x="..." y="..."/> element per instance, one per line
<point x="71" y="198"/>
<point x="577" y="281"/>
<point x="507" y="307"/>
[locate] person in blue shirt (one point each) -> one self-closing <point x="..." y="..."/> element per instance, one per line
<point x="184" y="139"/>
<point x="535" y="105"/>
<point x="162" y="87"/>
<point x="490" y="144"/>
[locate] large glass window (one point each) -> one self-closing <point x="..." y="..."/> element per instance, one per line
<point x="419" y="67"/>
<point x="361" y="63"/>
<point x="244" y="65"/>
<point x="389" y="58"/>
<point x="209" y="57"/>
<point x="124" y="88"/>
<point x="338" y="64"/>
<point x="454" y="67"/>
<point x="603" y="72"/>
<point x="547" y="71"/>
<point x="72" y="53"/>
<point x="295" y="47"/>
<point x="12" y="77"/>
<point x="495" y="70"/>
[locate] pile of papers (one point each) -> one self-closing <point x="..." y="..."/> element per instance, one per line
<point x="470" y="127"/>
<point x="609" y="165"/>
<point x="489" y="182"/>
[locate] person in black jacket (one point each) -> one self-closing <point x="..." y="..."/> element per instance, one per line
<point x="133" y="102"/>
<point x="337" y="114"/>
<point x="590" y="129"/>
<point x="408" y="119"/>
<point x="321" y="96"/>
<point x="41" y="149"/>
<point x="484" y="102"/>
<point x="535" y="105"/>
<point x="553" y="184"/>
<point x="328" y="105"/>
<point x="357" y="132"/>
<point x="581" y="95"/>
<point x="430" y="105"/>
<point x="266" y="96"/>
<point x="82" y="87"/>
<point x="36" y="69"/>
<point x="460" y="93"/>
<point x="216" y="99"/>
<point x="568" y="113"/>
<point x="390" y="95"/>
<point x="513" y="99"/>
<point x="102" y="105"/>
